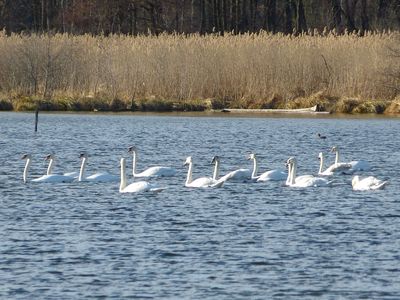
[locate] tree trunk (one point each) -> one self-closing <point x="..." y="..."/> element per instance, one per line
<point x="337" y="15"/>
<point x="253" y="15"/>
<point x="224" y="15"/>
<point x="382" y="12"/>
<point x="364" y="16"/>
<point x="237" y="16"/>
<point x="270" y="15"/>
<point x="244" y="20"/>
<point x="215" y="16"/>
<point x="192" y="9"/>
<point x="62" y="16"/>
<point x="42" y="16"/>
<point x="182" y="23"/>
<point x="133" y="15"/>
<point x="48" y="15"/>
<point x="350" y="11"/>
<point x="397" y="10"/>
<point x="301" y="24"/>
<point x="288" y="17"/>
<point x="176" y="15"/>
<point x="203" y="17"/>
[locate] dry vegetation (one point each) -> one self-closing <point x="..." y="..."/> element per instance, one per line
<point x="175" y="72"/>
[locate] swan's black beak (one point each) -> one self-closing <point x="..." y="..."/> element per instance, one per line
<point x="131" y="149"/>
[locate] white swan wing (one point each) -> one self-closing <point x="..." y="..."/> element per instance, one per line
<point x="141" y="186"/>
<point x="339" y="168"/>
<point x="273" y="175"/>
<point x="369" y="183"/>
<point x="54" y="178"/>
<point x="202" y="182"/>
<point x="309" y="180"/>
<point x="360" y="165"/>
<point x="157" y="172"/>
<point x="75" y="175"/>
<point x="237" y="175"/>
<point x="102" y="177"/>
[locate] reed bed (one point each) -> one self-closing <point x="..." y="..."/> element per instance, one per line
<point x="178" y="72"/>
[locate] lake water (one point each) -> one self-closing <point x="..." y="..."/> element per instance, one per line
<point x="243" y="241"/>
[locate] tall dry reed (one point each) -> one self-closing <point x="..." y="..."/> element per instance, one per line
<point x="236" y="69"/>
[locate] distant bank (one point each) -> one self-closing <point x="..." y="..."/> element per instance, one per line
<point x="317" y="104"/>
<point x="347" y="73"/>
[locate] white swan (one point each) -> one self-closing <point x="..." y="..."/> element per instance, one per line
<point x="356" y="165"/>
<point x="336" y="168"/>
<point x="50" y="178"/>
<point x="98" y="177"/>
<point x="51" y="158"/>
<point x="156" y="171"/>
<point x="202" y="181"/>
<point x="239" y="175"/>
<point x="367" y="183"/>
<point x="304" y="180"/>
<point x="135" y="187"/>
<point x="272" y="175"/>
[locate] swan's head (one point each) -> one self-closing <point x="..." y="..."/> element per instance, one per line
<point x="188" y="161"/>
<point x="49" y="157"/>
<point x="251" y="156"/>
<point x="290" y="161"/>
<point x="355" y="180"/>
<point x="215" y="159"/>
<point x="320" y="155"/>
<point x="26" y="156"/>
<point x="132" y="149"/>
<point x="83" y="155"/>
<point x="334" y="149"/>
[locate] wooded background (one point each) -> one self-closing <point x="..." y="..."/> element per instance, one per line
<point x="197" y="16"/>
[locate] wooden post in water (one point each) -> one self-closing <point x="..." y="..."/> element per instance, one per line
<point x="36" y="117"/>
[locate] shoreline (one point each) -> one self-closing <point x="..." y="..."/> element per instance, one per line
<point x="215" y="114"/>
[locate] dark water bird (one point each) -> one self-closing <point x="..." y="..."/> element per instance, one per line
<point x="321" y="136"/>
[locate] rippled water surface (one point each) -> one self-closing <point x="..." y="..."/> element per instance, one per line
<point x="243" y="241"/>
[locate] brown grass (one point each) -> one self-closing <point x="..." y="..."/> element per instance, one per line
<point x="393" y="107"/>
<point x="176" y="72"/>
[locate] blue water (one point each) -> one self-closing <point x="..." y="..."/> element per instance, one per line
<point x="243" y="241"/>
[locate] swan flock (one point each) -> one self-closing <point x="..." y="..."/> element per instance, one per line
<point x="288" y="177"/>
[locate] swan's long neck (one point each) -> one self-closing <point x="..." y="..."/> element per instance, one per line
<point x="50" y="167"/>
<point x="321" y="163"/>
<point x="294" y="172"/>
<point x="337" y="156"/>
<point x="289" y="174"/>
<point x="82" y="170"/>
<point x="216" y="170"/>
<point x="189" y="174"/>
<point x="255" y="168"/>
<point x="26" y="169"/>
<point x="134" y="154"/>
<point x="123" y="175"/>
